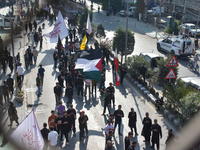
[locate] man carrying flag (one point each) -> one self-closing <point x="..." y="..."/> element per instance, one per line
<point x="117" y="72"/>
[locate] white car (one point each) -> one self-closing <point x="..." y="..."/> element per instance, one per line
<point x="192" y="29"/>
<point x="152" y="59"/>
<point x="181" y="45"/>
<point x="121" y="12"/>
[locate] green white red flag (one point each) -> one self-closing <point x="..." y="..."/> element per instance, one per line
<point x="117" y="74"/>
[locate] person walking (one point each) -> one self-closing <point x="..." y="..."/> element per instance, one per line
<point x="109" y="127"/>
<point x="132" y="120"/>
<point x="19" y="82"/>
<point x="109" y="137"/>
<point x="80" y="83"/>
<point x="40" y="38"/>
<point x="30" y="26"/>
<point x="26" y="60"/>
<point x="106" y="101"/>
<point x="59" y="126"/>
<point x="20" y="72"/>
<point x="10" y="61"/>
<point x="35" y="25"/>
<point x="51" y="120"/>
<point x="143" y="71"/>
<point x="57" y="92"/>
<point x="146" y="131"/>
<point x="1" y="95"/>
<point x="67" y="126"/>
<point x="123" y="72"/>
<point x="112" y="93"/>
<point x="41" y="71"/>
<point x="35" y="54"/>
<point x="55" y="58"/>
<point x="82" y="124"/>
<point x="87" y="86"/>
<point x="52" y="139"/>
<point x="10" y="83"/>
<point x="156" y="131"/>
<point x="12" y="113"/>
<point x="170" y="140"/>
<point x="38" y="84"/>
<point x="72" y="113"/>
<point x="127" y="141"/>
<point x="119" y="114"/>
<point x="45" y="133"/>
<point x="69" y="94"/>
<point x="5" y="92"/>
<point x="30" y="55"/>
<point x="61" y="108"/>
<point x="26" y="27"/>
<point x="94" y="86"/>
<point x="32" y="39"/>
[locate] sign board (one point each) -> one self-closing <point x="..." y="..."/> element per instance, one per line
<point x="171" y="74"/>
<point x="172" y="62"/>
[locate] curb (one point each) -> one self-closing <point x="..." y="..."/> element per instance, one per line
<point x="153" y="99"/>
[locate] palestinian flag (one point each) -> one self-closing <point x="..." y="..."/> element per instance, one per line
<point x="89" y="61"/>
<point x="116" y="68"/>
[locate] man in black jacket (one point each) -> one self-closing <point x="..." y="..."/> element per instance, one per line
<point x="10" y="60"/>
<point x="57" y="92"/>
<point x="10" y="83"/>
<point x="106" y="101"/>
<point x="156" y="131"/>
<point x="79" y="83"/>
<point x="143" y="70"/>
<point x="109" y="137"/>
<point x="127" y="141"/>
<point x="69" y="94"/>
<point x="112" y="93"/>
<point x="67" y="125"/>
<point x="83" y="124"/>
<point x="45" y="133"/>
<point x="118" y="118"/>
<point x="5" y="92"/>
<point x="132" y="120"/>
<point x="59" y="126"/>
<point x="72" y="113"/>
<point x="132" y="146"/>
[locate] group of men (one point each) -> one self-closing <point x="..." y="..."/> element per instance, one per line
<point x="62" y="124"/>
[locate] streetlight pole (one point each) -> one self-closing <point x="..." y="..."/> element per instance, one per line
<point x="126" y="31"/>
<point x="174" y="9"/>
<point x="183" y="17"/>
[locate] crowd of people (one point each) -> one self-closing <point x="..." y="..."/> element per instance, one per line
<point x="61" y="124"/>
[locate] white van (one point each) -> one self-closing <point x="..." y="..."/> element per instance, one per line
<point x="181" y="45"/>
<point x="131" y="12"/>
<point x="155" y="10"/>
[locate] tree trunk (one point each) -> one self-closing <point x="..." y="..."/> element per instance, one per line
<point x="122" y="57"/>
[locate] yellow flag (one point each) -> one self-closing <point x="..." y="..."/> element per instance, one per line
<point x="83" y="43"/>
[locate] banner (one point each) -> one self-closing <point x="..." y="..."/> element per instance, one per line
<point x="59" y="28"/>
<point x="88" y="27"/>
<point x="27" y="135"/>
<point x="83" y="43"/>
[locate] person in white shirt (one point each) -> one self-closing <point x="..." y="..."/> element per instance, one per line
<point x="109" y="127"/>
<point x="20" y="71"/>
<point x="77" y="45"/>
<point x="52" y="139"/>
<point x="87" y="85"/>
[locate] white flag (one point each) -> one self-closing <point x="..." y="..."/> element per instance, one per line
<point x="27" y="135"/>
<point x="88" y="27"/>
<point x="59" y="28"/>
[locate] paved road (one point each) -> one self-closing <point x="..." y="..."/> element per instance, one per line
<point x="143" y="43"/>
<point x="126" y="95"/>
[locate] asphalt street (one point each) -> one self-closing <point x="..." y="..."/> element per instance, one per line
<point x="126" y="95"/>
<point x="143" y="43"/>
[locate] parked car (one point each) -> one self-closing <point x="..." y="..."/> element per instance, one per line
<point x="192" y="29"/>
<point x="131" y="11"/>
<point x="181" y="45"/>
<point x="152" y="59"/>
<point x="155" y="10"/>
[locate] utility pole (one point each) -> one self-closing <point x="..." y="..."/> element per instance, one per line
<point x="108" y="7"/>
<point x="13" y="53"/>
<point x="183" y="17"/>
<point x="126" y="31"/>
<point x="173" y="13"/>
